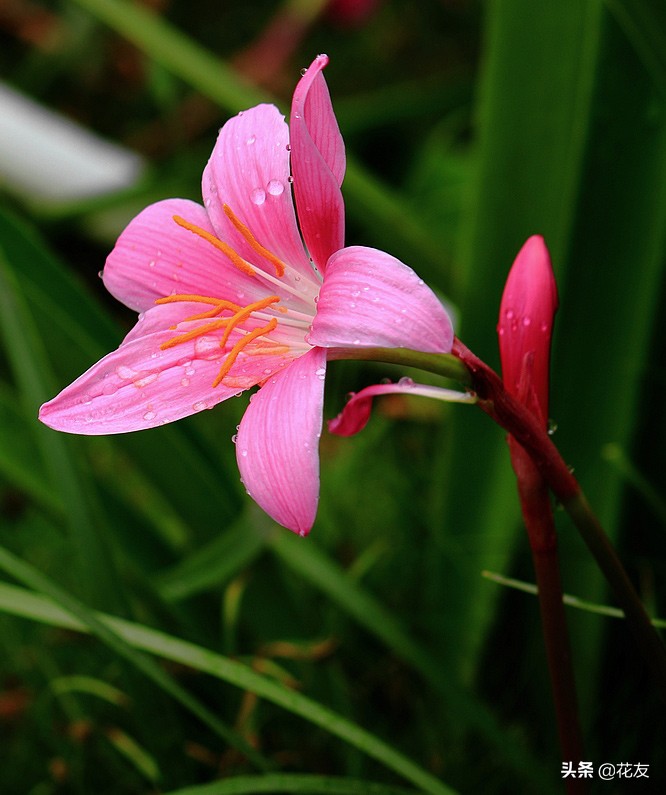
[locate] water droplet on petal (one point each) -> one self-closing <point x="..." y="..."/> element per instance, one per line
<point x="149" y="415"/>
<point x="527" y="321"/>
<point x="509" y="314"/>
<point x="251" y="139"/>
<point x="320" y="373"/>
<point x="125" y="372"/>
<point x="304" y="71"/>
<point x="288" y="147"/>
<point x="258" y="196"/>
<point x="205" y="346"/>
<point x="290" y="180"/>
<point x="146" y="379"/>
<point x="275" y="187"/>
<point x="406" y="381"/>
<point x="234" y="438"/>
<point x="552" y="427"/>
<point x="244" y="454"/>
<point x="200" y="405"/>
<point x="184" y="381"/>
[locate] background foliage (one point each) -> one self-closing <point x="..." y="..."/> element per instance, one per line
<point x="243" y="659"/>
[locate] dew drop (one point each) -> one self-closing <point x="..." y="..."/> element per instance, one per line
<point x="544" y="327"/>
<point x="258" y="196"/>
<point x="200" y="405"/>
<point x="234" y="438"/>
<point x="356" y="342"/>
<point x="144" y="380"/>
<point x="149" y="415"/>
<point x="304" y="71"/>
<point x="290" y="180"/>
<point x="251" y="140"/>
<point x="101" y="273"/>
<point x="509" y="314"/>
<point x="288" y="147"/>
<point x="151" y="264"/>
<point x="320" y="373"/>
<point x="275" y="187"/>
<point x="205" y="346"/>
<point x="527" y="321"/>
<point x="184" y="381"/>
<point x="355" y="293"/>
<point x="190" y="371"/>
<point x="406" y="381"/>
<point x="125" y="372"/>
<point x="244" y="454"/>
<point x="552" y="427"/>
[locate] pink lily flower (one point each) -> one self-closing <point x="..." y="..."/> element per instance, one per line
<point x="253" y="288"/>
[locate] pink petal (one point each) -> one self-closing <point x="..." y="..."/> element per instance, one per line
<point x="278" y="443"/>
<point x="369" y="298"/>
<point x="249" y="171"/>
<point x="318" y="165"/>
<point x="140" y="386"/>
<point x="155" y="257"/>
<point x="525" y="326"/>
<point x="355" y="415"/>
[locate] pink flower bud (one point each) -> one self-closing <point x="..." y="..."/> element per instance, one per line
<point x="525" y="326"/>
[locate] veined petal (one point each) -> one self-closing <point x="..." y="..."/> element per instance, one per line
<point x="318" y="165"/>
<point x="278" y="443"/>
<point x="140" y="385"/>
<point x="155" y="257"/>
<point x="369" y="298"/>
<point x="355" y="415"/>
<point x="249" y="171"/>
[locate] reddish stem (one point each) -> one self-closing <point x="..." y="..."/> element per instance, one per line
<point x="538" y="516"/>
<point x="527" y="429"/>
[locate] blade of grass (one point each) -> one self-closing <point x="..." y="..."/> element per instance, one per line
<point x="311" y="563"/>
<point x="124" y="637"/>
<point x="568" y="599"/>
<point x="293" y="782"/>
<point x="80" y="617"/>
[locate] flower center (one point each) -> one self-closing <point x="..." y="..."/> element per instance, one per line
<point x="228" y="315"/>
<point x="239" y="315"/>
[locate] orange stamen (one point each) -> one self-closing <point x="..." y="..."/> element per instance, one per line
<point x="229" y="324"/>
<point x="238" y="347"/>
<point x="219" y="305"/>
<point x="235" y="258"/>
<point x="252" y="240"/>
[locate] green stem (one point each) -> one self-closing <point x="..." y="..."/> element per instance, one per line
<point x="444" y="364"/>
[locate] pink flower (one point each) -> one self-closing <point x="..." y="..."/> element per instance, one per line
<point x="525" y="326"/>
<point x="241" y="292"/>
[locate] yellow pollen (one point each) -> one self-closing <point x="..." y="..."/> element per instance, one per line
<point x="231" y="323"/>
<point x="235" y="258"/>
<point x="252" y="240"/>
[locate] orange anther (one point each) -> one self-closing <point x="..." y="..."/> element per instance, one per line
<point x="252" y="240"/>
<point x="238" y="347"/>
<point x="236" y="260"/>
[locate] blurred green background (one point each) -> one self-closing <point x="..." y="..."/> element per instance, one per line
<point x="372" y="657"/>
